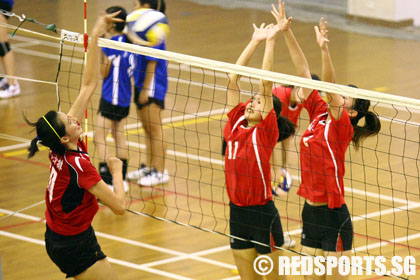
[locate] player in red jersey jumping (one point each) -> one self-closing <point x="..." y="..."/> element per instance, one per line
<point x="74" y="182"/>
<point x="251" y="133"/>
<point x="327" y="227"/>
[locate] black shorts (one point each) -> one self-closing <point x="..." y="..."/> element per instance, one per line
<point x="5" y="6"/>
<point x="328" y="229"/>
<point x="260" y="223"/>
<point x="113" y="112"/>
<point x="73" y="254"/>
<point x="160" y="103"/>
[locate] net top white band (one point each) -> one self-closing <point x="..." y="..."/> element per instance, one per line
<point x="266" y="75"/>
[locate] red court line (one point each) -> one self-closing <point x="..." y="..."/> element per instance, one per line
<point x="20" y="224"/>
<point x="380" y="276"/>
<point x="25" y="161"/>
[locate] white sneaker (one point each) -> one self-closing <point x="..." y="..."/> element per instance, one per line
<point x="125" y="184"/>
<point x="10" y="90"/>
<point x="154" y="177"/>
<point x="137" y="174"/>
<point x="289" y="242"/>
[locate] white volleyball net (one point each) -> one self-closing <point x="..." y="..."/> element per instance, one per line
<point x="381" y="179"/>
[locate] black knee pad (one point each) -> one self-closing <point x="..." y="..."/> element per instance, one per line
<point x="4" y="48"/>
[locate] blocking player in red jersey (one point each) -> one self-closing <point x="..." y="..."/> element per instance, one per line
<point x="251" y="133"/>
<point x="290" y="108"/>
<point x="75" y="184"/>
<point x="327" y="227"/>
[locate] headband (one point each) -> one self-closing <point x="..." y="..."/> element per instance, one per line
<point x="51" y="127"/>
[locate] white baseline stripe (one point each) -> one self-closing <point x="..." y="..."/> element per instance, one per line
<point x="148" y="269"/>
<point x="47" y="55"/>
<point x="15" y="147"/>
<point x="27" y="44"/>
<point x="387" y="242"/>
<point x="111" y="260"/>
<point x="371" y="194"/>
<point x="14" y="138"/>
<point x="23" y="238"/>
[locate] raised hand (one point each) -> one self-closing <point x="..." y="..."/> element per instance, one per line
<point x="260" y="33"/>
<point x="322" y="33"/>
<point x="103" y="21"/>
<point x="272" y="31"/>
<point x="283" y="23"/>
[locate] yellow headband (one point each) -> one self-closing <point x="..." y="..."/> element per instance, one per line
<point x="51" y="127"/>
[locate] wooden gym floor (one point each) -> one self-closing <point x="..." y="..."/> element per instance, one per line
<point x="386" y="218"/>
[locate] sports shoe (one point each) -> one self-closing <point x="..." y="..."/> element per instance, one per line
<point x="288" y="242"/>
<point x="154" y="177"/>
<point x="125" y="184"/>
<point x="8" y="91"/>
<point x="137" y="174"/>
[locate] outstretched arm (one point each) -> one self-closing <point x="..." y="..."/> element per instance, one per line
<point x="233" y="93"/>
<point x="91" y="72"/>
<point x="328" y="73"/>
<point x="335" y="101"/>
<point x="266" y="87"/>
<point x="296" y="53"/>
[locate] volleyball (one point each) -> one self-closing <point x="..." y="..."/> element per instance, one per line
<point x="147" y="27"/>
<point x="284" y="185"/>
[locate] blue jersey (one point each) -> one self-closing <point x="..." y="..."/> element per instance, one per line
<point x="116" y="88"/>
<point x="160" y="80"/>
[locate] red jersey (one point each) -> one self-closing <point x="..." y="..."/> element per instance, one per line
<point x="292" y="113"/>
<point x="322" y="153"/>
<point x="70" y="207"/>
<point x="247" y="159"/>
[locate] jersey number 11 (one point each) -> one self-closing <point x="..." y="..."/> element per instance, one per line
<point x="230" y="150"/>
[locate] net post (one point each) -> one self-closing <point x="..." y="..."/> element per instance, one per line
<point x="1" y="271"/>
<point x="85" y="44"/>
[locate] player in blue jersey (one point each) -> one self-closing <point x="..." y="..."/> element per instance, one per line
<point x="151" y="84"/>
<point x="8" y="87"/>
<point x="116" y="70"/>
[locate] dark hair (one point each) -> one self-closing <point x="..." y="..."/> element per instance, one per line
<point x="285" y="126"/>
<point x="372" y="123"/>
<point x="315" y="77"/>
<point x="46" y="135"/>
<point x="119" y="26"/>
<point x="159" y="5"/>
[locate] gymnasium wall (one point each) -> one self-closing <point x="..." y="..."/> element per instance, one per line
<point x="339" y="6"/>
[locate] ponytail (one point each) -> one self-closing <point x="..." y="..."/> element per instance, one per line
<point x="372" y="124"/>
<point x="33" y="148"/>
<point x="49" y="132"/>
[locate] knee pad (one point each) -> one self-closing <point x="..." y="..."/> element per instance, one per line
<point x="4" y="48"/>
